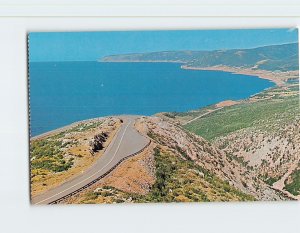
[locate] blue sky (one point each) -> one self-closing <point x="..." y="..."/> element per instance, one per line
<point x="90" y="46"/>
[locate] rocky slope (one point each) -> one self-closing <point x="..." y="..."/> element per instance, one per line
<point x="251" y="152"/>
<point x="261" y="134"/>
<point x="178" y="166"/>
<point x="272" y="155"/>
<point x="192" y="147"/>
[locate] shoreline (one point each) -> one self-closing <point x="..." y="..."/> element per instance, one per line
<point x="139" y="61"/>
<point x="73" y="124"/>
<point x="279" y="78"/>
<point x="262" y="74"/>
<point x="64" y="128"/>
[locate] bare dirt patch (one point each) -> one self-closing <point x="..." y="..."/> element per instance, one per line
<point x="226" y="103"/>
<point x="136" y="175"/>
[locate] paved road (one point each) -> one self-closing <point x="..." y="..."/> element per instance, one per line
<point x="126" y="142"/>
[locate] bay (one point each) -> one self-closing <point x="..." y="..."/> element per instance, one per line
<point x="64" y="92"/>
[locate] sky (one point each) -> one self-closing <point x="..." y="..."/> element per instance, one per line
<point x="90" y="46"/>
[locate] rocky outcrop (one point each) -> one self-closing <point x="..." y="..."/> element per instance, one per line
<point x="97" y="142"/>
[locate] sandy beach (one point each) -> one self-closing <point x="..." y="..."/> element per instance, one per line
<point x="279" y="78"/>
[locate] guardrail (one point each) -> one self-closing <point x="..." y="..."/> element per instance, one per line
<point x="99" y="178"/>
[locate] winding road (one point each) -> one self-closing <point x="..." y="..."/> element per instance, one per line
<point x="127" y="141"/>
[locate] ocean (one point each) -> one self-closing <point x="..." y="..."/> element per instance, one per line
<point x="64" y="92"/>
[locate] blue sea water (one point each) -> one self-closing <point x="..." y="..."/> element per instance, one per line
<point x="65" y="92"/>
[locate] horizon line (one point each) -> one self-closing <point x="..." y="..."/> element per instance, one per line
<point x="226" y="49"/>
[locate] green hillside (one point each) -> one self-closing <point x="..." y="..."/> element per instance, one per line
<point x="177" y="180"/>
<point x="274" y="57"/>
<point x="260" y="114"/>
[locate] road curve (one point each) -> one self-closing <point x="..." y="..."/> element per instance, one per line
<point x="126" y="142"/>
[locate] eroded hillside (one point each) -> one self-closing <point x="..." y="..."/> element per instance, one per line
<point x="261" y="134"/>
<point x="177" y="166"/>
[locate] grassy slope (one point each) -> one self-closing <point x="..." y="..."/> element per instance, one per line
<point x="259" y="114"/>
<point x="47" y="154"/>
<point x="266" y="116"/>
<point x="177" y="180"/>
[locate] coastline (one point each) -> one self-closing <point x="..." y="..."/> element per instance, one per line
<point x="279" y="78"/>
<point x="73" y="124"/>
<point x="63" y="128"/>
<point x="140" y="61"/>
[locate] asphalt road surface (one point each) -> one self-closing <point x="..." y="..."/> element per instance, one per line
<point x="126" y="142"/>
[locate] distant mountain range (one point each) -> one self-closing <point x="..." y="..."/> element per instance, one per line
<point x="273" y="58"/>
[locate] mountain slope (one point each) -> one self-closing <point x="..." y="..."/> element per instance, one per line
<point x="201" y="152"/>
<point x="274" y="57"/>
<point x="179" y="166"/>
<point x="262" y="134"/>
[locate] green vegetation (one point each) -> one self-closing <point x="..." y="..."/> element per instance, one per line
<point x="258" y="114"/>
<point x="78" y="128"/>
<point x="170" y="114"/>
<point x="47" y="154"/>
<point x="182" y="180"/>
<point x="294" y="186"/>
<point x="177" y="180"/>
<point x="191" y="114"/>
<point x="85" y="126"/>
<point x="275" y="57"/>
<point x="269" y="180"/>
<point x="240" y="160"/>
